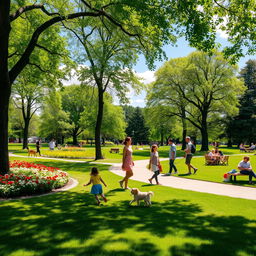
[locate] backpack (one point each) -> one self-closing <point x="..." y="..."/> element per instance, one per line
<point x="193" y="149"/>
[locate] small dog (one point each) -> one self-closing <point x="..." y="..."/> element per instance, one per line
<point x="138" y="195"/>
<point x="31" y="152"/>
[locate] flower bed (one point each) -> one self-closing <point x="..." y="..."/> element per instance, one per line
<point x="27" y="178"/>
<point x="68" y="154"/>
<point x="73" y="149"/>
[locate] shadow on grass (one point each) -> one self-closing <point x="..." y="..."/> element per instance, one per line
<point x="50" y="225"/>
<point x="184" y="174"/>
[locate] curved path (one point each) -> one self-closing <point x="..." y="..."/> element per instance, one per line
<point x="141" y="173"/>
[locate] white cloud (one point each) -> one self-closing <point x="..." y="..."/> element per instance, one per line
<point x="138" y="100"/>
<point x="147" y="76"/>
<point x="222" y="34"/>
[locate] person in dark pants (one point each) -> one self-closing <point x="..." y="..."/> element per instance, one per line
<point x="154" y="164"/>
<point x="172" y="157"/>
<point x="245" y="168"/>
<point x="189" y="155"/>
<point x="38" y="147"/>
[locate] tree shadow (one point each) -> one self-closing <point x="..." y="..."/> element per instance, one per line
<point x="43" y="224"/>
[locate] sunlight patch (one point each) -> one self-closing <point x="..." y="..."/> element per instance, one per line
<point x="116" y="246"/>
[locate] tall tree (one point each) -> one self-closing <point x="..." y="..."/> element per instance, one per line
<point x="28" y="92"/>
<point x="207" y="83"/>
<point x="155" y="98"/>
<point x="242" y="128"/>
<point x="54" y="121"/>
<point x="199" y="20"/>
<point x="161" y="125"/>
<point x="136" y="127"/>
<point x="110" y="67"/>
<point x="75" y="101"/>
<point x="113" y="122"/>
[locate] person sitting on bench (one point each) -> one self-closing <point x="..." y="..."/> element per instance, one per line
<point x="245" y="168"/>
<point x="241" y="147"/>
<point x="252" y="147"/>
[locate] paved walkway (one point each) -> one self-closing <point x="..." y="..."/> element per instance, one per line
<point x="141" y="173"/>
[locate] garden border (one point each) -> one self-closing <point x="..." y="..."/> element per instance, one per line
<point x="72" y="183"/>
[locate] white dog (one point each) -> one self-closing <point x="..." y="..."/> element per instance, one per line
<point x="138" y="195"/>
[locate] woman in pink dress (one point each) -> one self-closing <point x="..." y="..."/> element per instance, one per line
<point x="127" y="162"/>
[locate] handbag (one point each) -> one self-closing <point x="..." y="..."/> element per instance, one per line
<point x="160" y="167"/>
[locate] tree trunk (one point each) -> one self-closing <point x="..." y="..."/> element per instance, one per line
<point x="162" y="138"/>
<point x="204" y="133"/>
<point x="98" y="152"/>
<point x="184" y="129"/>
<point x="4" y="105"/>
<point x="74" y="136"/>
<point x="230" y="144"/>
<point x="104" y="141"/>
<point x="5" y="86"/>
<point x="25" y="133"/>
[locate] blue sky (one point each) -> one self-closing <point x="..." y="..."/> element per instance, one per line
<point x="182" y="49"/>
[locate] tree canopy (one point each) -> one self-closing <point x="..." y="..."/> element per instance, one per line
<point x="27" y="27"/>
<point x="208" y="85"/>
<point x="242" y="128"/>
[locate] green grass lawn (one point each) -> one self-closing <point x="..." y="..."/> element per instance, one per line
<point x="210" y="173"/>
<point x="178" y="223"/>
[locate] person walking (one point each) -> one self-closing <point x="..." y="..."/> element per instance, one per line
<point x="172" y="157"/>
<point x="127" y="164"/>
<point x="154" y="163"/>
<point x="38" y="147"/>
<point x="189" y="151"/>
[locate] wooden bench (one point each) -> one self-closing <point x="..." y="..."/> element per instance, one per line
<point x="224" y="160"/>
<point x="114" y="150"/>
<point x="234" y="175"/>
<point x="209" y="160"/>
<point x="247" y="150"/>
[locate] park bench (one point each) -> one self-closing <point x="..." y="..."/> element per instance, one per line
<point x="209" y="160"/>
<point x="224" y="160"/>
<point x="247" y="150"/>
<point x="234" y="175"/>
<point x="114" y="150"/>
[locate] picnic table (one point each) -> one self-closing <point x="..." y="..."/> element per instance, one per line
<point x="219" y="160"/>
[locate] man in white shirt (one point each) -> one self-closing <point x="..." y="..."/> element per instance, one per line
<point x="172" y="157"/>
<point x="252" y="147"/>
<point x="245" y="168"/>
<point x="189" y="155"/>
<point x="52" y="144"/>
